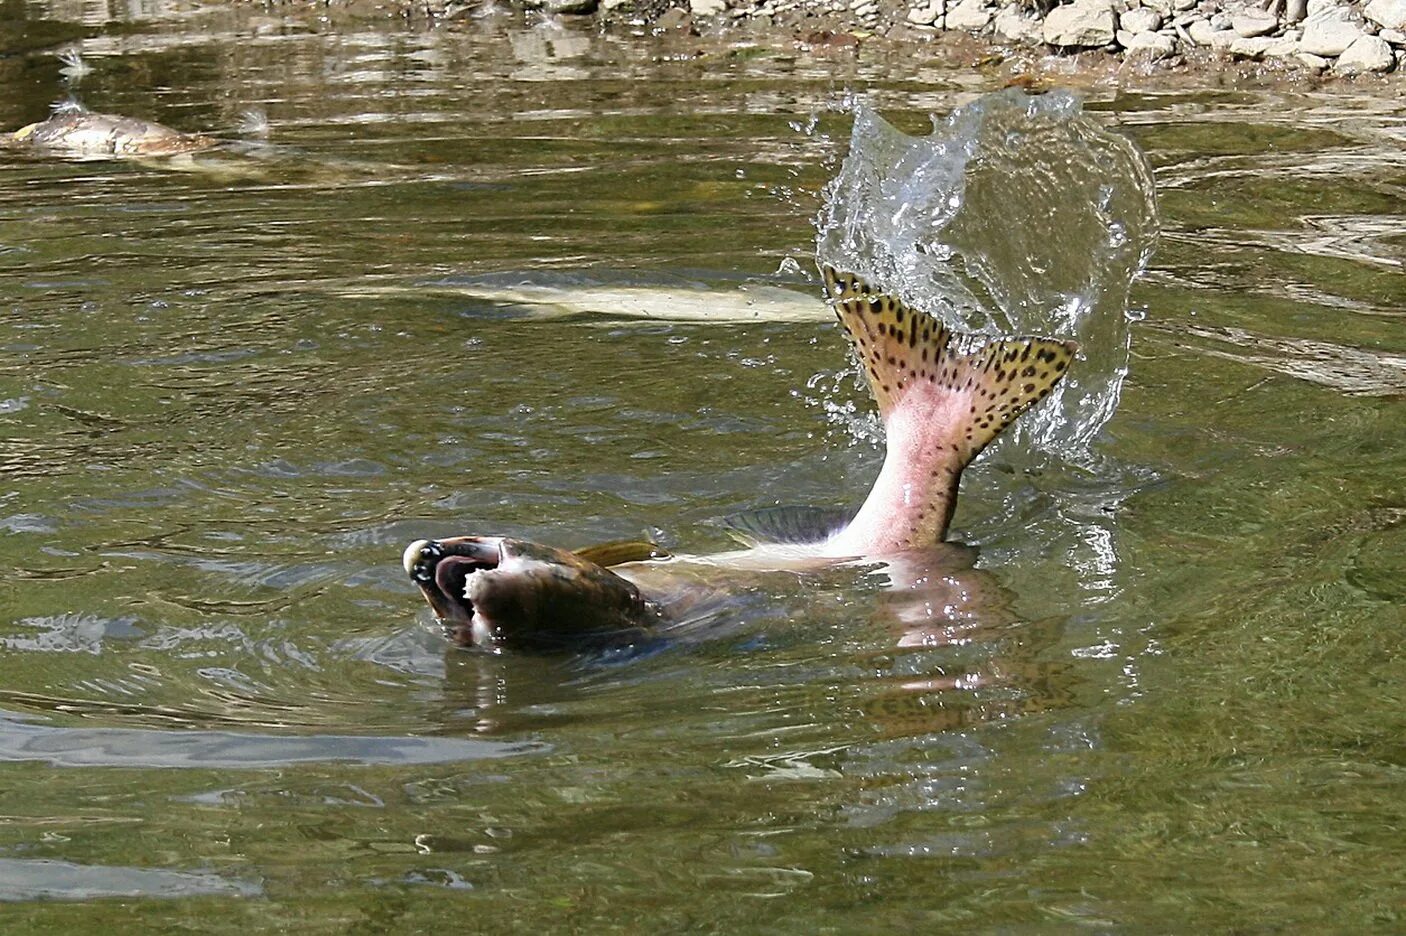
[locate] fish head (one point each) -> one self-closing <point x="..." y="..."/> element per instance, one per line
<point x="498" y="592"/>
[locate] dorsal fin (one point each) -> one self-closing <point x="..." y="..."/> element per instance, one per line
<point x="797" y="525"/>
<point x="620" y="552"/>
<point x="907" y="351"/>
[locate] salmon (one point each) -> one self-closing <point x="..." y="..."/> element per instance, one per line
<point x="943" y="397"/>
<point x="75" y="131"/>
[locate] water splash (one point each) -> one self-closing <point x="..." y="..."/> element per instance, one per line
<point x="1018" y="215"/>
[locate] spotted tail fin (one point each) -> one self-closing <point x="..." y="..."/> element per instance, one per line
<point x="912" y="359"/>
<point x="943" y="397"/>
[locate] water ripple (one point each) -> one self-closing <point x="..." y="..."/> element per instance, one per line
<point x="207" y="750"/>
<point x="46" y="879"/>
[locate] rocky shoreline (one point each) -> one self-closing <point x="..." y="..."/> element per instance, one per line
<point x="1329" y="37"/>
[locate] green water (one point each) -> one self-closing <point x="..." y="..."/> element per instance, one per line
<point x="229" y="397"/>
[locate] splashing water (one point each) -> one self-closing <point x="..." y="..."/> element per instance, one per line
<point x="1018" y="215"/>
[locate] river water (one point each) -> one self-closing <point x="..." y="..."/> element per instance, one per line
<point x="1169" y="697"/>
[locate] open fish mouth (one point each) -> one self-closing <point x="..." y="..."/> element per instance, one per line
<point x="496" y="591"/>
<point x="442" y="568"/>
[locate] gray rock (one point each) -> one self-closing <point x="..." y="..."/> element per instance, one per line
<point x="1251" y="22"/>
<point x="1223" y="39"/>
<point x="1295" y="11"/>
<point x="1221" y="21"/>
<point x="1388" y="13"/>
<point x="582" y="7"/>
<point x="927" y="14"/>
<point x="1141" y="20"/>
<point x="1251" y="47"/>
<point x="1366" y="54"/>
<point x="1158" y="45"/>
<point x="1163" y="7"/>
<point x="1184" y="4"/>
<point x="1282" y="47"/>
<point x="969" y="15"/>
<point x="1018" y="27"/>
<point x="1084" y="23"/>
<point x="1204" y="34"/>
<point x="1330" y="31"/>
<point x="1394" y="36"/>
<point x="674" y="18"/>
<point x="707" y="7"/>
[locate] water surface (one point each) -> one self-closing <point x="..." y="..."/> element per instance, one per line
<point x="229" y="396"/>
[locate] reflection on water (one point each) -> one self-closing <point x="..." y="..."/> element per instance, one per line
<point x="118" y="747"/>
<point x="463" y="293"/>
<point x="1349" y="370"/>
<point x="41" y="879"/>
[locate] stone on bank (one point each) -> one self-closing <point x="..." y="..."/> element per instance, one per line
<point x="1366" y="54"/>
<point x="1329" y="31"/>
<point x="1389" y="14"/>
<point x="1084" y="24"/>
<point x="1344" y="37"/>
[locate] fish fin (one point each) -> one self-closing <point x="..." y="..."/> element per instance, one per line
<point x="620" y="552"/>
<point x="909" y="356"/>
<point x="786" y="524"/>
<point x="897" y="346"/>
<point x="1002" y="379"/>
<point x="840" y="285"/>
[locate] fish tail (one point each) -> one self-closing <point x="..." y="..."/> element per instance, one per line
<point x="943" y="397"/>
<point x="913" y="360"/>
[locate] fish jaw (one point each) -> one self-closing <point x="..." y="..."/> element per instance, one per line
<point x="498" y="592"/>
<point x="442" y="569"/>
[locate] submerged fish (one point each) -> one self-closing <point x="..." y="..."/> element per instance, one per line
<point x="678" y="302"/>
<point x="73" y="130"/>
<point x="942" y="396"/>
